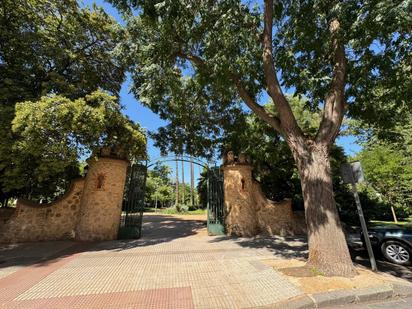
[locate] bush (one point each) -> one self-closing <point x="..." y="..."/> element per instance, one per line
<point x="176" y="209"/>
<point x="374" y="207"/>
<point x="182" y="208"/>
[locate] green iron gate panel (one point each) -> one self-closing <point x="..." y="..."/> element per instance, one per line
<point x="215" y="197"/>
<point x="133" y="202"/>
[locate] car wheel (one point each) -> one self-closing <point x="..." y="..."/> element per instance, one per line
<point x="396" y="252"/>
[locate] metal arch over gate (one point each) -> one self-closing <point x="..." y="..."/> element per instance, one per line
<point x="133" y="202"/>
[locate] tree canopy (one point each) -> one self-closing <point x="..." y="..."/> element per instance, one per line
<point x="272" y="159"/>
<point x="54" y="132"/>
<point x="56" y="47"/>
<point x="387" y="161"/>
<point x="193" y="62"/>
<point x="49" y="48"/>
<point x="159" y="188"/>
<point x="196" y="62"/>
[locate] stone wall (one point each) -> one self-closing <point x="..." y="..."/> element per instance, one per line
<point x="249" y="212"/>
<point x="33" y="222"/>
<point x="90" y="210"/>
<point x="101" y="204"/>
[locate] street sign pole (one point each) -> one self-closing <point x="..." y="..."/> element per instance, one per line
<point x="348" y="176"/>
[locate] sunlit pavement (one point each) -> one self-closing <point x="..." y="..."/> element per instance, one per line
<point x="174" y="265"/>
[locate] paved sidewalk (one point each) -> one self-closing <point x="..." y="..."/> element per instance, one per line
<point x="174" y="265"/>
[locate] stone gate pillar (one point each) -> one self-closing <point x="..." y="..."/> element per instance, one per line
<point x="248" y="211"/>
<point x="101" y="203"/>
<point x="240" y="207"/>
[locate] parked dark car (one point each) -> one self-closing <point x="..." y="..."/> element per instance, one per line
<point x="393" y="241"/>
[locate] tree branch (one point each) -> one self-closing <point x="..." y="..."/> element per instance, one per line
<point x="335" y="100"/>
<point x="192" y="58"/>
<point x="257" y="108"/>
<point x="246" y="97"/>
<point x="287" y="118"/>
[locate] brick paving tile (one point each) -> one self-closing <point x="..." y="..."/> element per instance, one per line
<point x="19" y="281"/>
<point x="159" y="299"/>
<point x="160" y="270"/>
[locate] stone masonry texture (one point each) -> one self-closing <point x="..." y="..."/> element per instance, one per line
<point x="34" y="222"/>
<point x="90" y="209"/>
<point x="249" y="212"/>
<point x="101" y="204"/>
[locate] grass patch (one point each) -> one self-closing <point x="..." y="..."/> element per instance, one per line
<point x="197" y="212"/>
<point x="377" y="222"/>
<point x="316" y="272"/>
<point x="173" y="211"/>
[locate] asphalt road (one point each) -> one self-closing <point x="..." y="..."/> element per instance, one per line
<point x="360" y="256"/>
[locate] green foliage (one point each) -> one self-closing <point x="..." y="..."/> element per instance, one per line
<point x="199" y="105"/>
<point x="386" y="158"/>
<point x="159" y="187"/>
<point x="389" y="172"/>
<point x="182" y="209"/>
<point x="377" y="39"/>
<point x="202" y="189"/>
<point x="53" y="132"/>
<point x="273" y="164"/>
<point x="49" y="47"/>
<point x="184" y="54"/>
<point x="185" y="188"/>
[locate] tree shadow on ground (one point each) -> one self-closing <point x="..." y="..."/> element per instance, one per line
<point x="156" y="229"/>
<point x="160" y="229"/>
<point x="290" y="247"/>
<point x="24" y="254"/>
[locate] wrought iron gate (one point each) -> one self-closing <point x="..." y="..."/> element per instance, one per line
<point x="215" y="207"/>
<point x="133" y="202"/>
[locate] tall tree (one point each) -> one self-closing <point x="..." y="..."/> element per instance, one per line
<point x="387" y="161"/>
<point x="183" y="181"/>
<point x="53" y="132"/>
<point x="159" y="188"/>
<point x="177" y="181"/>
<point x="51" y="47"/>
<point x="195" y="62"/>
<point x="192" y="183"/>
<point x="273" y="163"/>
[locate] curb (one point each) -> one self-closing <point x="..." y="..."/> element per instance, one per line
<point x="345" y="297"/>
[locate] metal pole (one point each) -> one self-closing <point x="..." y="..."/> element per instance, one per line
<point x="363" y="223"/>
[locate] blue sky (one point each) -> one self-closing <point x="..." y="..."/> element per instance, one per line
<point x="150" y="121"/>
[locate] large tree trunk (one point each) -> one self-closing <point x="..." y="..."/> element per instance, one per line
<point x="192" y="183"/>
<point x="328" y="250"/>
<point x="183" y="183"/>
